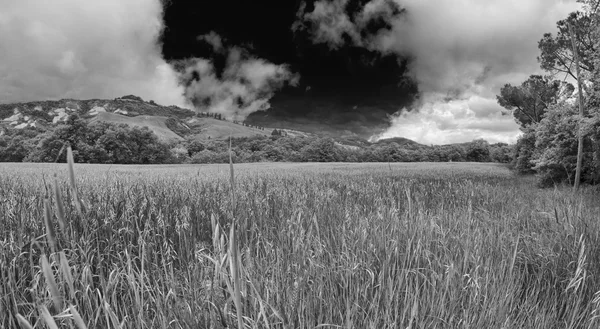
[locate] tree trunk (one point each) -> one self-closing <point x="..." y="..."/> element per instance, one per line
<point x="581" y="111"/>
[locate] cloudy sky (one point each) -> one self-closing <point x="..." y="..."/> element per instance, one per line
<point x="468" y="50"/>
<point x="83" y="49"/>
<point x="427" y="70"/>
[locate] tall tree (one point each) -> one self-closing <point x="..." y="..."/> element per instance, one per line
<point x="556" y="51"/>
<point x="591" y="6"/>
<point x="581" y="109"/>
<point x="529" y="101"/>
<point x="594" y="100"/>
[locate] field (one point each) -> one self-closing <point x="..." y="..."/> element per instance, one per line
<point x="420" y="245"/>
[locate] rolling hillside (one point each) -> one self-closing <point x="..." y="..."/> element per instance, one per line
<point x="208" y="128"/>
<point x="155" y="123"/>
<point x="169" y="123"/>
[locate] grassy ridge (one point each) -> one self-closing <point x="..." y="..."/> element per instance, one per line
<point x="340" y="245"/>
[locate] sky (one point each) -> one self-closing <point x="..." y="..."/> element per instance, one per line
<point x="84" y="49"/>
<point x="467" y="50"/>
<point x="428" y="70"/>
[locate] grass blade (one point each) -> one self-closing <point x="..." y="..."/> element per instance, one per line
<point x="23" y="322"/>
<point x="235" y="274"/>
<point x="47" y="317"/>
<point x="70" y="161"/>
<point x="51" y="282"/>
<point x="50" y="234"/>
<point x="232" y="181"/>
<point x="77" y="318"/>
<point x="60" y="209"/>
<point x="66" y="272"/>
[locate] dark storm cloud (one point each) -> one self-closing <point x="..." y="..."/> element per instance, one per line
<point x="337" y="84"/>
<point x="84" y="49"/>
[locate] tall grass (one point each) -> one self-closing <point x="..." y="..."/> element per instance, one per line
<point x="336" y="246"/>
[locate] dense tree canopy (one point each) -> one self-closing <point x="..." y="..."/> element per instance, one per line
<point x="529" y="101"/>
<point x="557" y="52"/>
<point x="550" y="121"/>
<point x="99" y="142"/>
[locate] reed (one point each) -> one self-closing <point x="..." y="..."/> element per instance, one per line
<point x="295" y="246"/>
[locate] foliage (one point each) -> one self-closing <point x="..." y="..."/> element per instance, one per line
<point x="556" y="142"/>
<point x="478" y="151"/>
<point x="132" y="97"/>
<point x="208" y="156"/>
<point x="524" y="150"/>
<point x="548" y="116"/>
<point x="14" y="148"/>
<point x="194" y="146"/>
<point x="320" y="150"/>
<point x="529" y="102"/>
<point x="101" y="142"/>
<point x="501" y="152"/>
<point x="177" y="127"/>
<point x="557" y="51"/>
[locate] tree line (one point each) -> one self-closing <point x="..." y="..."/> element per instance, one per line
<point x="547" y="106"/>
<point x="102" y="142"/>
<point x="277" y="148"/>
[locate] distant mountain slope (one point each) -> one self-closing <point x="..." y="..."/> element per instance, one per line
<point x="208" y="128"/>
<point x="155" y="123"/>
<point x="399" y="140"/>
<point x="169" y="123"/>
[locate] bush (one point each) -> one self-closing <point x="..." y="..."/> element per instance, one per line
<point x="102" y="142"/>
<point x="523" y="155"/>
<point x="320" y="150"/>
<point x="208" y="156"/>
<point x="478" y="151"/>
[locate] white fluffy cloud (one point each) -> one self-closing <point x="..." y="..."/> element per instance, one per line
<point x="244" y="87"/>
<point x="439" y="121"/>
<point x="464" y="51"/>
<point x="84" y="49"/>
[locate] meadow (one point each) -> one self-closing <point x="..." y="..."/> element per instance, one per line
<point x="402" y="245"/>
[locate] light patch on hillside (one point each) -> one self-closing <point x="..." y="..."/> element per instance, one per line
<point x="25" y="125"/>
<point x="61" y="115"/>
<point x="96" y="109"/>
<point x="15" y="117"/>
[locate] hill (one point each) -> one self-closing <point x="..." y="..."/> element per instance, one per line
<point x="155" y="123"/>
<point x="203" y="128"/>
<point x="169" y="123"/>
<point x="400" y="141"/>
